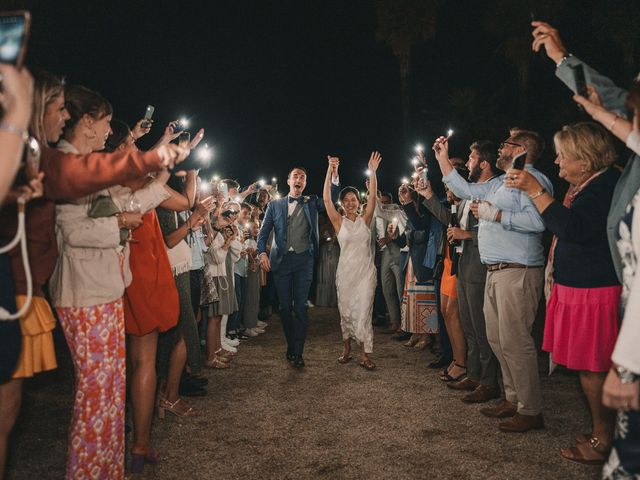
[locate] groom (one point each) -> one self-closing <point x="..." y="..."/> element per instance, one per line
<point x="294" y="220"/>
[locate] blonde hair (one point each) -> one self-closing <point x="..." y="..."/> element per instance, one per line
<point x="46" y="88"/>
<point x="587" y="142"/>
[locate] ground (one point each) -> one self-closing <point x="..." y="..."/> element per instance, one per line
<point x="263" y="419"/>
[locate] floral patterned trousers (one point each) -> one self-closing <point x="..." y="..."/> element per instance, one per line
<point x="96" y="339"/>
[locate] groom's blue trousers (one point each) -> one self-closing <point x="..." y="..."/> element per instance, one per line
<point x="293" y="281"/>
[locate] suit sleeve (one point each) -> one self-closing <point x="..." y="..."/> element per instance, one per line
<point x="265" y="229"/>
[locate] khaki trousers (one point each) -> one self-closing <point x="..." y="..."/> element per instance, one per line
<point x="511" y="300"/>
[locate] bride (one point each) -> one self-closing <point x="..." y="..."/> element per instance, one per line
<point x="356" y="273"/>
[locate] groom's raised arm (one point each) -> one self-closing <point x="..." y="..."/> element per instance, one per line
<point x="335" y="193"/>
<point x="265" y="230"/>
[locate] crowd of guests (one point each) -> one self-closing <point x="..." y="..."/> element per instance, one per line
<point x="153" y="272"/>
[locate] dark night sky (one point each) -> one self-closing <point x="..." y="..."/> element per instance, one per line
<point x="283" y="83"/>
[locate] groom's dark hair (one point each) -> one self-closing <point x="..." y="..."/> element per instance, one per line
<point x="297" y="168"/>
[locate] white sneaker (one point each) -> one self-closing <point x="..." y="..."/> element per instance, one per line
<point x="229" y="348"/>
<point x="309" y="304"/>
<point x="234" y="342"/>
<point x="262" y="324"/>
<point x="250" y="332"/>
<point x="259" y="330"/>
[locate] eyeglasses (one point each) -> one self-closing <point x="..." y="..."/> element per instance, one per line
<point x="507" y="142"/>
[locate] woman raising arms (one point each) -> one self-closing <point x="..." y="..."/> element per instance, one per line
<point x="356" y="265"/>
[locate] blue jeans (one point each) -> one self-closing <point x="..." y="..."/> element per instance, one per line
<point x="293" y="281"/>
<point x="236" y="317"/>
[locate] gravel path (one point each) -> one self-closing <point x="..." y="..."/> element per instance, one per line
<point x="263" y="419"/>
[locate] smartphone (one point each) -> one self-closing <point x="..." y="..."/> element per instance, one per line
<point x="518" y="162"/>
<point x="580" y="80"/>
<point x="147" y="116"/>
<point x="30" y="164"/>
<point x="223" y="188"/>
<point x="425" y="172"/>
<point x="14" y="33"/>
<point x="179" y="127"/>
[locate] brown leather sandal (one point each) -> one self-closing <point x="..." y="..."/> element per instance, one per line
<point x="592" y="452"/>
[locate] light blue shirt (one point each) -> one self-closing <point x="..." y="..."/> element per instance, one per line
<point x="242" y="265"/>
<point x="196" y="241"/>
<point x="517" y="238"/>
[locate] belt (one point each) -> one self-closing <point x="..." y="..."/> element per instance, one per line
<point x="502" y="266"/>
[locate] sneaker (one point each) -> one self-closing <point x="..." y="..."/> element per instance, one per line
<point x="259" y="330"/>
<point x="309" y="304"/>
<point x="262" y="324"/>
<point x="234" y="342"/>
<point x="229" y="348"/>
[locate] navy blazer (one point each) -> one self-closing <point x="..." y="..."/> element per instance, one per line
<point x="276" y="218"/>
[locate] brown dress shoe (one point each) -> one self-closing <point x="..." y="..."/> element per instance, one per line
<point x="482" y="394"/>
<point x="522" y="423"/>
<point x="465" y="384"/>
<point x="503" y="409"/>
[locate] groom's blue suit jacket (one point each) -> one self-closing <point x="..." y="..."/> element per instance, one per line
<point x="276" y="218"/>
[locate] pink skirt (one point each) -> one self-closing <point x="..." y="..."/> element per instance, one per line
<point x="582" y="326"/>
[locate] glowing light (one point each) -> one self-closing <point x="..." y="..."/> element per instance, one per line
<point x="274" y="179"/>
<point x="238" y="199"/>
<point x="404" y="180"/>
<point x="328" y="239"/>
<point x="262" y="182"/>
<point x="449" y="132"/>
<point x="414" y="175"/>
<point x="184" y="122"/>
<point x="216" y="178"/>
<point x="419" y="148"/>
<point x="205" y="188"/>
<point x="339" y="203"/>
<point x="415" y="161"/>
<point x="205" y="153"/>
<point x="367" y="172"/>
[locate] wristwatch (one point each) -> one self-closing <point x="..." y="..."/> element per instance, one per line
<point x="625" y="375"/>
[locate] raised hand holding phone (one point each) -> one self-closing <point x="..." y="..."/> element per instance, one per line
<point x="14" y="35"/>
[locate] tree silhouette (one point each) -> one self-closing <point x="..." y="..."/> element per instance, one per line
<point x="401" y="24"/>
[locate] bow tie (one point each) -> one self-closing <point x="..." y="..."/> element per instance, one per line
<point x="292" y="200"/>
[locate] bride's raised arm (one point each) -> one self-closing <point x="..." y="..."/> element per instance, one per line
<point x="334" y="216"/>
<point x="374" y="163"/>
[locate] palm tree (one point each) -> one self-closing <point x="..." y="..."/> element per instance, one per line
<point x="401" y="24"/>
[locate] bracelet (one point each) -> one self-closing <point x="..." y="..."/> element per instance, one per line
<point x="537" y="194"/>
<point x="22" y="133"/>
<point x="564" y="60"/>
<point x="613" y="124"/>
<point x="625" y="375"/>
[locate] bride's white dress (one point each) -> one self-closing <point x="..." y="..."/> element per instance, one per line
<point x="356" y="282"/>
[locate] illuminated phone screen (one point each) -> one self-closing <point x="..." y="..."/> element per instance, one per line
<point x="12" y="30"/>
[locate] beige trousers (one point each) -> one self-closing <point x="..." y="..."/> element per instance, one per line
<point x="511" y="300"/>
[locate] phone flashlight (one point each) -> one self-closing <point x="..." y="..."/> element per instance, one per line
<point x="216" y="178"/>
<point x="449" y="133"/>
<point x="205" y="153"/>
<point x="262" y="182"/>
<point x="274" y="179"/>
<point x="415" y="161"/>
<point x="404" y="180"/>
<point x="419" y="148"/>
<point x="147" y="116"/>
<point x="367" y="172"/>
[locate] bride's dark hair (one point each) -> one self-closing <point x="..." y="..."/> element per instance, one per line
<point x="345" y="190"/>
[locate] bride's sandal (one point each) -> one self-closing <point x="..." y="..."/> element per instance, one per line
<point x="367" y="364"/>
<point x="344" y="359"/>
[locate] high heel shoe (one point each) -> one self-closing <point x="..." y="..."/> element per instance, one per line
<point x="138" y="460"/>
<point x="179" y="408"/>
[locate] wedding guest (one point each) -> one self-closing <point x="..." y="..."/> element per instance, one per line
<point x="419" y="311"/>
<point x="326" y="295"/>
<point x="240" y="274"/>
<point x="355" y="265"/>
<point x="582" y="311"/>
<point x="252" y="300"/>
<point x="457" y="369"/>
<point x="66" y="176"/>
<point x="510" y="244"/>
